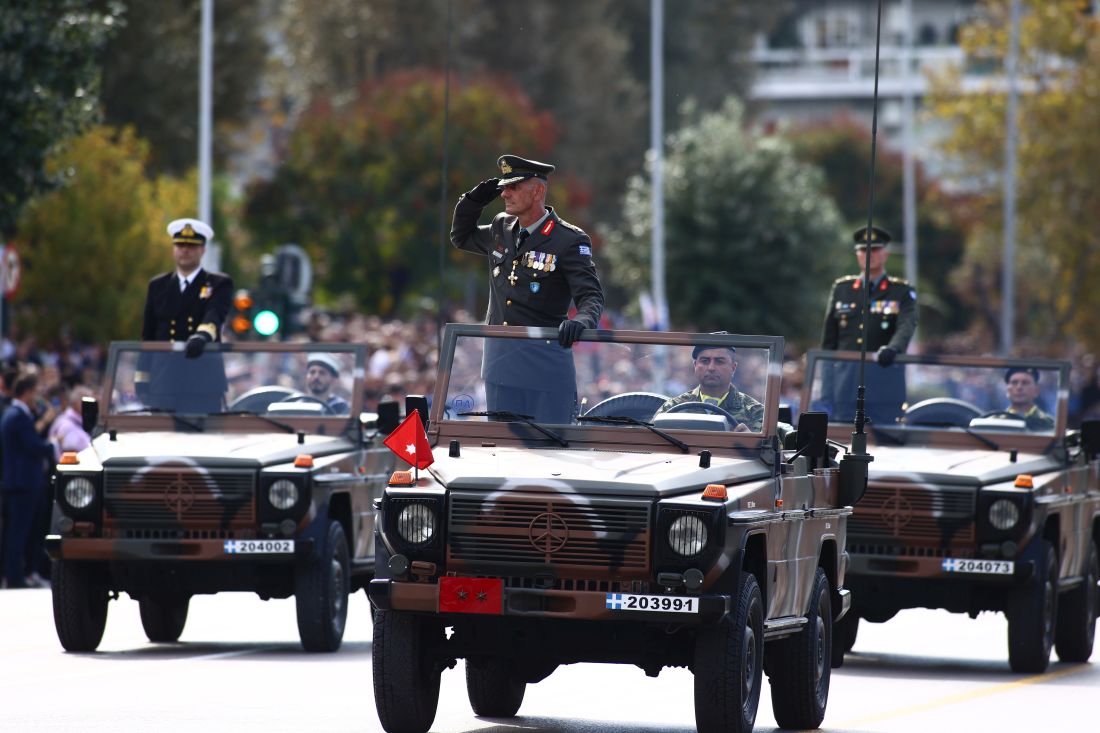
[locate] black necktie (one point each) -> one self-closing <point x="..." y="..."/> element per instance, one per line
<point x="521" y="238"/>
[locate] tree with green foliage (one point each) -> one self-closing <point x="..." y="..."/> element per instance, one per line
<point x="49" y="89"/>
<point x="749" y="232"/>
<point x="359" y="186"/>
<point x="90" y="245"/>
<point x="842" y="149"/>
<point x="1057" y="178"/>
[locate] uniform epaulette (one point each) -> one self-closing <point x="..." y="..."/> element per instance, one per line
<point x="845" y="279"/>
<point x="898" y="281"/>
<point x="574" y="227"/>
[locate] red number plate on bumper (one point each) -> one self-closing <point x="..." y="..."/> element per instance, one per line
<point x="471" y="595"/>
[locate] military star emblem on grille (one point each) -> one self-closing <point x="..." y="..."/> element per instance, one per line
<point x="462" y="595"/>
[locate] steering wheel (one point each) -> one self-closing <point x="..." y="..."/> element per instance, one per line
<point x="309" y="398"/>
<point x="942" y="410"/>
<point x="707" y="408"/>
<point x="641" y="405"/>
<point x="1003" y="413"/>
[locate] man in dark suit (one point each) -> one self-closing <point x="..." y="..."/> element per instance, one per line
<point x="26" y="455"/>
<point x="188" y="305"/>
<point x="538" y="263"/>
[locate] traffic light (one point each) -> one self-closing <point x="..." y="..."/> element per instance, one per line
<point x="270" y="303"/>
<point x="240" y="320"/>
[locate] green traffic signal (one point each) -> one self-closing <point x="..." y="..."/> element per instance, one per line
<point x="266" y="323"/>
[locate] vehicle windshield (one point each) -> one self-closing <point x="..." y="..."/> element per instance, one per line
<point x="313" y="380"/>
<point x="721" y="386"/>
<point x="963" y="393"/>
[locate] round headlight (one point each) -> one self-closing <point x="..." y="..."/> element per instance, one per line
<point x="416" y="524"/>
<point x="79" y="492"/>
<point x="283" y="494"/>
<point x="1003" y="514"/>
<point x="687" y="535"/>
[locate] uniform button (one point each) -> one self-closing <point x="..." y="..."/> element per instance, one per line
<point x="859" y="341"/>
<point x="861" y="327"/>
<point x="505" y="323"/>
<point x="508" y="302"/>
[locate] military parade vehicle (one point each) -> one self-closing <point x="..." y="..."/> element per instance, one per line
<point x="270" y="490"/>
<point x="979" y="498"/>
<point x="646" y="527"/>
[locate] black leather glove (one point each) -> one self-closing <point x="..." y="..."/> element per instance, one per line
<point x="885" y="356"/>
<point x="569" y="332"/>
<point x="195" y="345"/>
<point x="485" y="192"/>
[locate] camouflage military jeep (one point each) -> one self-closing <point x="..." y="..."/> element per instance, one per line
<point x="971" y="507"/>
<point x="271" y="493"/>
<point x="618" y="535"/>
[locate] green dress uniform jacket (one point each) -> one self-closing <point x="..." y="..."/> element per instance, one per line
<point x="743" y="407"/>
<point x="891" y="315"/>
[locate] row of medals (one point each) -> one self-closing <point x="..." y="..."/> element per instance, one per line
<point x="534" y="260"/>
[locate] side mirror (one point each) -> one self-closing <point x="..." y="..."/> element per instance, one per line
<point x="786" y="414"/>
<point x="1090" y="437"/>
<point x="389" y="416"/>
<point x="89" y="414"/>
<point x="813" y="430"/>
<point x="853" y="479"/>
<point x="420" y="404"/>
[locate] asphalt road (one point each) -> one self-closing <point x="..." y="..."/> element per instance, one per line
<point x="238" y="668"/>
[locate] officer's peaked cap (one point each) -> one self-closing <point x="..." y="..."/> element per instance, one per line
<point x="707" y="347"/>
<point x="325" y="360"/>
<point x="1026" y="370"/>
<point x="190" y="231"/>
<point x="514" y="169"/>
<point x="878" y="237"/>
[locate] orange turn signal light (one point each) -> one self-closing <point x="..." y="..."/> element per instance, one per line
<point x="1023" y="481"/>
<point x="304" y="460"/>
<point x="778" y="503"/>
<point x="715" y="491"/>
<point x="68" y="458"/>
<point x="402" y="478"/>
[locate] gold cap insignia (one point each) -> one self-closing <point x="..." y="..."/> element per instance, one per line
<point x="187" y="231"/>
<point x="505" y="168"/>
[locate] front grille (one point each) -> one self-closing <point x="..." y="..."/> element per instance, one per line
<point x="912" y="513"/>
<point x="569" y="584"/>
<point x="179" y="534"/>
<point x="962" y="553"/>
<point x="573" y="535"/>
<point x="180" y="495"/>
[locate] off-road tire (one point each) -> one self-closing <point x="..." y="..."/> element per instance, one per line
<point x="728" y="665"/>
<point x="1076" y="630"/>
<point x="406" y="677"/>
<point x="799" y="667"/>
<point x="494" y="690"/>
<point x="1032" y="615"/>
<point x="163" y="616"/>
<point x="844" y="637"/>
<point x="79" y="604"/>
<point x="321" y="593"/>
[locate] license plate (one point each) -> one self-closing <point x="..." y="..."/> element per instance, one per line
<point x="471" y="595"/>
<point x="980" y="567"/>
<point x="662" y="604"/>
<point x="258" y="547"/>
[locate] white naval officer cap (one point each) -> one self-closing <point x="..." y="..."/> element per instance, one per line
<point x="190" y="231"/>
<point x="324" y="359"/>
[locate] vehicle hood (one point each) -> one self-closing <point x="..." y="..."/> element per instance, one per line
<point x="225" y="449"/>
<point x="591" y="471"/>
<point x="954" y="467"/>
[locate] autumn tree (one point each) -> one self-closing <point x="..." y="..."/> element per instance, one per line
<point x="1057" y="183"/>
<point x="359" y="186"/>
<point x="90" y="246"/>
<point x="749" y="228"/>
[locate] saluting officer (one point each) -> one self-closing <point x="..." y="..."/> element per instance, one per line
<point x="189" y="305"/>
<point x="538" y="263"/>
<point x="892" y="311"/>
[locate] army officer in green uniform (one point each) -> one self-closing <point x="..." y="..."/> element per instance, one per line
<point x="538" y="263"/>
<point x="714" y="370"/>
<point x="891" y="321"/>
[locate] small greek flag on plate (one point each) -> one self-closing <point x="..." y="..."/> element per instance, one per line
<point x="614" y="600"/>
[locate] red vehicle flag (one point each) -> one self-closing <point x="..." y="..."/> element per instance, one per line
<point x="410" y="442"/>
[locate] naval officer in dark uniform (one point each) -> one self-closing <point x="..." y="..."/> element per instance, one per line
<point x="188" y="305"/>
<point x="538" y="263"/>
<point x="891" y="321"/>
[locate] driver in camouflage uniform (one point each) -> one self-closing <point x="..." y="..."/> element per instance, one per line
<point x="714" y="369"/>
<point x="1022" y="391"/>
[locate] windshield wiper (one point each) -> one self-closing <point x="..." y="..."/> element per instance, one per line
<point x="527" y="419"/>
<point x="968" y="431"/>
<point x="627" y="420"/>
<point x="265" y="418"/>
<point x="164" y="411"/>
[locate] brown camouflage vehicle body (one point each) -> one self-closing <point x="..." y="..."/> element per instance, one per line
<point x="277" y="500"/>
<point x="599" y="541"/>
<point x="970" y="510"/>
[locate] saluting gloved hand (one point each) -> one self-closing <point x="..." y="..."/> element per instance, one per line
<point x="485" y="192"/>
<point x="569" y="332"/>
<point x="885" y="356"/>
<point x="195" y="345"/>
